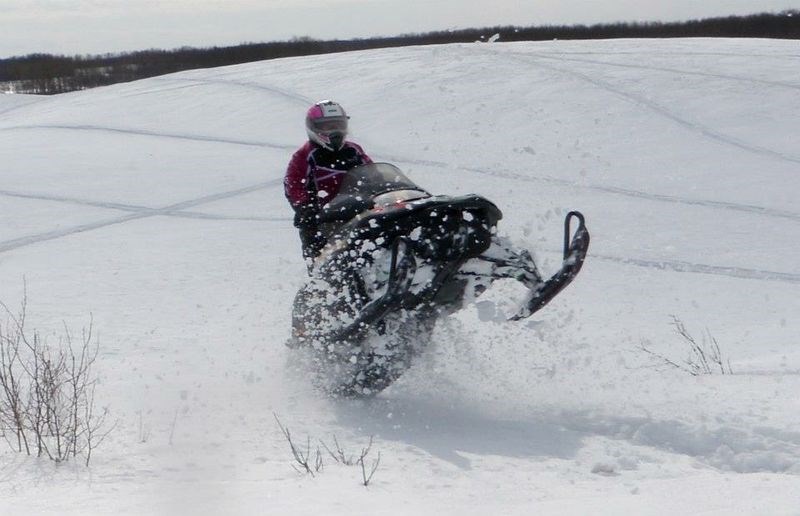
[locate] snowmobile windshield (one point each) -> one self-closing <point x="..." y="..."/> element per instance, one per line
<point x="369" y="181"/>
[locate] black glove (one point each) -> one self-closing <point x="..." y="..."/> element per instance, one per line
<point x="305" y="216"/>
<point x="344" y="209"/>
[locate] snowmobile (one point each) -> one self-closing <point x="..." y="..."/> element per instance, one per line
<point x="397" y="259"/>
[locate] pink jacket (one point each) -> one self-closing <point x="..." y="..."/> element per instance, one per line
<point x="315" y="174"/>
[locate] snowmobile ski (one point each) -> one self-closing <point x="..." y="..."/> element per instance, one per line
<point x="574" y="255"/>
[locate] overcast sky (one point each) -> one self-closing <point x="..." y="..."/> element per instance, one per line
<point x="99" y="26"/>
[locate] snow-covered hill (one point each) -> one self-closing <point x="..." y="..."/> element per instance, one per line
<point x="157" y="207"/>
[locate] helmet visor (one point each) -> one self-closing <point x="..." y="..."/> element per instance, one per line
<point x="329" y="125"/>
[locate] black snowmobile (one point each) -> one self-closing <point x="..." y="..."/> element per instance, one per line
<point x="398" y="258"/>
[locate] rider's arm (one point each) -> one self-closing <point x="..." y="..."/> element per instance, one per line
<point x="297" y="191"/>
<point x="297" y="176"/>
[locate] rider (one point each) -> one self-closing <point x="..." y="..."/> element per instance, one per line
<point x="317" y="169"/>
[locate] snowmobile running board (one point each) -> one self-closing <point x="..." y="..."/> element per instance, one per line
<point x="574" y="255"/>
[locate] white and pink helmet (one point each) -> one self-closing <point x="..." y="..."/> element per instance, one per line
<point x="326" y="124"/>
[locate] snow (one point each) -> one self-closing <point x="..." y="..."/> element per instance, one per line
<point x="155" y="207"/>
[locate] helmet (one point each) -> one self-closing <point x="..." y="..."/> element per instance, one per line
<point x="326" y="124"/>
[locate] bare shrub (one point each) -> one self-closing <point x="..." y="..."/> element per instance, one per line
<point x="303" y="456"/>
<point x="366" y="478"/>
<point x="47" y="391"/>
<point x="338" y="454"/>
<point x="705" y="356"/>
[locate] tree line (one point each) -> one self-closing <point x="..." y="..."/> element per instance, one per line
<point x="51" y="74"/>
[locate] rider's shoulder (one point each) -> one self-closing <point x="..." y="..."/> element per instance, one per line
<point x="307" y="148"/>
<point x="302" y="153"/>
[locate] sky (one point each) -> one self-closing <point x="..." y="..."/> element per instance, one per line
<point x="100" y="26"/>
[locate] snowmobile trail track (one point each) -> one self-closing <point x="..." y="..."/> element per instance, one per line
<point x="75" y="200"/>
<point x="706" y="203"/>
<point x="142" y="132"/>
<point x="671" y="54"/>
<point x="561" y="58"/>
<point x="653" y="106"/>
<point x="139" y="209"/>
<point x="699" y="268"/>
<point x="299" y="99"/>
<point x="170" y="210"/>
